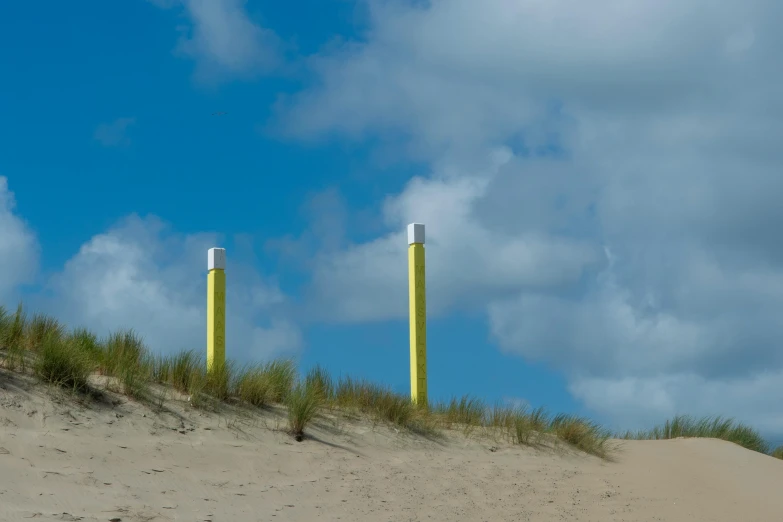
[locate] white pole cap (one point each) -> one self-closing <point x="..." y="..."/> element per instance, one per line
<point x="216" y="259"/>
<point x="415" y="233"/>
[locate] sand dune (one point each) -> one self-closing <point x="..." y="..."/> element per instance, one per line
<point x="63" y="461"/>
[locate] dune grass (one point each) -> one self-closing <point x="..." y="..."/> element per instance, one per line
<point x="12" y="332"/>
<point x="124" y="357"/>
<point x="179" y="370"/>
<point x="254" y="386"/>
<point x="705" y="427"/>
<point x="89" y="343"/>
<point x="319" y="380"/>
<point x="581" y="433"/>
<point x="303" y="402"/>
<point x="46" y="348"/>
<point x="39" y="328"/>
<point x="465" y="411"/>
<point x="63" y="361"/>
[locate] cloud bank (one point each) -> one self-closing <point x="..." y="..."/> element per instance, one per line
<point x="603" y="183"/>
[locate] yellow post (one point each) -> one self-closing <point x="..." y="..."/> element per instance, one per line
<point x="216" y="308"/>
<point x="418" y="313"/>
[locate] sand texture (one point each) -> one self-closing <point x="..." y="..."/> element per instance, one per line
<point x="60" y="460"/>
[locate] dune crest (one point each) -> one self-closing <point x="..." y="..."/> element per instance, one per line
<point x="118" y="460"/>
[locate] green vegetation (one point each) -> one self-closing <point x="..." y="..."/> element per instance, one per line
<point x="707" y="427"/>
<point x="121" y="363"/>
<point x="63" y="361"/>
<point x="581" y="433"/>
<point x="303" y="401"/>
<point x="466" y="411"/>
<point x="12" y="330"/>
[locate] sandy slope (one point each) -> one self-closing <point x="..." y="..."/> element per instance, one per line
<point x="60" y="461"/>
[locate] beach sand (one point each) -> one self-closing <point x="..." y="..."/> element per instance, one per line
<point x="121" y="461"/>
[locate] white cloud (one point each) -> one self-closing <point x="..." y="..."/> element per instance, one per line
<point x="18" y="248"/>
<point x="115" y="133"/>
<point x="755" y="398"/>
<point x="224" y="40"/>
<point x="141" y="275"/>
<point x="631" y="239"/>
<point x="467" y="261"/>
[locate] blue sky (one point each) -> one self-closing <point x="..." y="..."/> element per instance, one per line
<point x="596" y="184"/>
<point x="200" y="172"/>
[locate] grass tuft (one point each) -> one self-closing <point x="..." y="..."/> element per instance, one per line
<point x="207" y="389"/>
<point x="125" y="357"/>
<point x="321" y="383"/>
<point x="778" y="452"/>
<point x="183" y="368"/>
<point x="281" y="375"/>
<point x="466" y="412"/>
<point x="89" y="343"/>
<point x="5" y="319"/>
<point x="528" y="426"/>
<point x="581" y="433"/>
<point x="42" y="327"/>
<point x="303" y="402"/>
<point x="122" y="349"/>
<point x="63" y="361"/>
<point x="706" y="427"/>
<point x="377" y="401"/>
<point x="253" y="386"/>
<point x="219" y="381"/>
<point x="12" y="329"/>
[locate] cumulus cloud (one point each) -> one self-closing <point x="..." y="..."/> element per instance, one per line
<point x="18" y="248"/>
<point x="468" y="261"/>
<point x="142" y="275"/>
<point x="224" y="39"/>
<point x="603" y="182"/>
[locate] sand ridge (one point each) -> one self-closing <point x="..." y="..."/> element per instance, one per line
<point x="123" y="461"/>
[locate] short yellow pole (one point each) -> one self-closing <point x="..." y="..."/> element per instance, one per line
<point x="418" y="313"/>
<point x="216" y="308"/>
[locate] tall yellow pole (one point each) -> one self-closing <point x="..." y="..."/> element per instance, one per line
<point x="216" y="308"/>
<point x="418" y="313"/>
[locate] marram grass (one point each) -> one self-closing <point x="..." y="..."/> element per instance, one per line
<point x="303" y="402"/>
<point x="705" y="427"/>
<point x="12" y="337"/>
<point x="54" y="354"/>
<point x="63" y="361"/>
